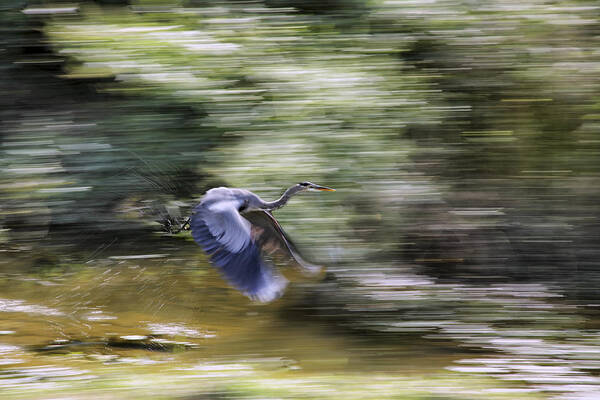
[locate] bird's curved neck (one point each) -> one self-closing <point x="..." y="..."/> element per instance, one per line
<point x="274" y="205"/>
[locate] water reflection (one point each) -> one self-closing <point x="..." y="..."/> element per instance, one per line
<point x="20" y="306"/>
<point x="211" y="332"/>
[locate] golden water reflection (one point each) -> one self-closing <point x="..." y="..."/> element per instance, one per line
<point x="169" y="328"/>
<point x="172" y="328"/>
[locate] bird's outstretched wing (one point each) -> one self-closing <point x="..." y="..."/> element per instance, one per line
<point x="273" y="235"/>
<point x="227" y="237"/>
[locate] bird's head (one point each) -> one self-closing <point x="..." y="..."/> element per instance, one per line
<point x="309" y="186"/>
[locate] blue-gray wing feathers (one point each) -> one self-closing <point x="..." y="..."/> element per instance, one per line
<point x="226" y="237"/>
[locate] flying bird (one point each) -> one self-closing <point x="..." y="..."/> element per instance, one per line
<point x="235" y="227"/>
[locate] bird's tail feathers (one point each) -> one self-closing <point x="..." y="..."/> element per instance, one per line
<point x="271" y="290"/>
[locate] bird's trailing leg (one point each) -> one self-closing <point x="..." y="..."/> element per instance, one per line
<point x="183" y="227"/>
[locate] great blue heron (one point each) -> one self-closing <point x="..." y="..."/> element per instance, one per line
<point x="234" y="227"/>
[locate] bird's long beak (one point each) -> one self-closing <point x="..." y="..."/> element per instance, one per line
<point x="322" y="188"/>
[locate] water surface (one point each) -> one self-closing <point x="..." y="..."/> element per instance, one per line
<point x="140" y="325"/>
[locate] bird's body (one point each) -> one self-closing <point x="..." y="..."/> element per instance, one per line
<point x="234" y="225"/>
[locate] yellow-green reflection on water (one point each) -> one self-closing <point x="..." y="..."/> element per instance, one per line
<point x="171" y="328"/>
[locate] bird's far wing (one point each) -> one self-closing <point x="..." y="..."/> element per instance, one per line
<point x="273" y="232"/>
<point x="226" y="236"/>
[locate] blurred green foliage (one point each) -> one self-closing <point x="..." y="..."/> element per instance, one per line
<point x="461" y="135"/>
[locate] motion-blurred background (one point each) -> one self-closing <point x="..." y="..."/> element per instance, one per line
<point x="462" y="244"/>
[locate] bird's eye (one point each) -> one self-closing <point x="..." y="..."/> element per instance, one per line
<point x="304" y="183"/>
